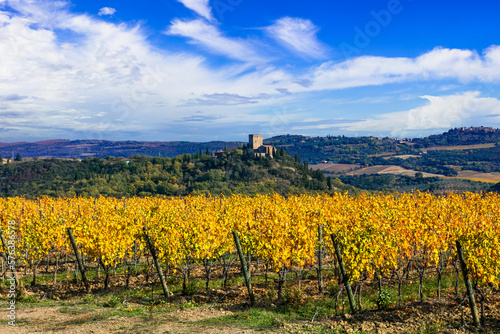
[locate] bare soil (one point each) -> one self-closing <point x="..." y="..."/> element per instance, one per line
<point x="67" y="308"/>
<point x="390" y="169"/>
<point x="70" y="316"/>
<point x="332" y="167"/>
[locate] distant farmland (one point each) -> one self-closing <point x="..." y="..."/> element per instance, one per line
<point x="334" y="168"/>
<point x="460" y="147"/>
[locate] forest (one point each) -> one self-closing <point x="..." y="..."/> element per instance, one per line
<point x="238" y="171"/>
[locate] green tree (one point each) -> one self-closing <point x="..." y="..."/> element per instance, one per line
<point x="18" y="157"/>
<point x="282" y="151"/>
<point x="1" y="160"/>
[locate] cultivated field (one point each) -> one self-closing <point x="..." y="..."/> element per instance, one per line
<point x="460" y="147"/>
<point x="479" y="176"/>
<point x="400" y="255"/>
<point x="333" y="167"/>
<point x="389" y="169"/>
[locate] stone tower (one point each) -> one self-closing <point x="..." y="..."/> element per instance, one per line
<point x="255" y="141"/>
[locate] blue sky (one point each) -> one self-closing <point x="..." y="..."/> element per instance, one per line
<point x="202" y="70"/>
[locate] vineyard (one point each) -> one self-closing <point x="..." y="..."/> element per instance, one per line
<point x="285" y="241"/>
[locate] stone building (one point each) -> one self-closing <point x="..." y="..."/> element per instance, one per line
<point x="256" y="143"/>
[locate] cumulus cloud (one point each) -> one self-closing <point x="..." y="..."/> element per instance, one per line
<point x="95" y="79"/>
<point x="438" y="64"/>
<point x="211" y="38"/>
<point x="106" y="11"/>
<point x="201" y="7"/>
<point x="441" y="112"/>
<point x="298" y="35"/>
<point x="77" y="76"/>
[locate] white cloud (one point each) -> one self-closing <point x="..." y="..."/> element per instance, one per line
<point x="77" y="76"/>
<point x="440" y="63"/>
<point x="441" y="112"/>
<point x="110" y="78"/>
<point x="298" y="35"/>
<point x="210" y="37"/>
<point x="201" y="7"/>
<point x="106" y="11"/>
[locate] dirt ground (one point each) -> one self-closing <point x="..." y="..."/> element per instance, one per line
<point x="67" y="308"/>
<point x="427" y="317"/>
<point x="51" y="320"/>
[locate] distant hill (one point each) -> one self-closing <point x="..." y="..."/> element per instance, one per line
<point x="461" y="136"/>
<point x="453" y="161"/>
<point x="239" y="171"/>
<point x="339" y="149"/>
<point x="103" y="148"/>
<point x="476" y="148"/>
<point x="447" y="154"/>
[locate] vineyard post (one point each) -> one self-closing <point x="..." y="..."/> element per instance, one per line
<point x="244" y="268"/>
<point x="157" y="264"/>
<point x="54" y="279"/>
<point x="468" y="285"/>
<point x="345" y="278"/>
<point x="135" y="251"/>
<point x="78" y="259"/>
<point x="320" y="258"/>
<point x="6" y="251"/>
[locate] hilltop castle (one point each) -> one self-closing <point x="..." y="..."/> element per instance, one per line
<point x="256" y="143"/>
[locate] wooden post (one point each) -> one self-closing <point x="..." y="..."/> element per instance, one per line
<point x="6" y="256"/>
<point x="345" y="278"/>
<point x="135" y="251"/>
<point x="54" y="280"/>
<point x="320" y="258"/>
<point x="468" y="285"/>
<point x="157" y="264"/>
<point x="78" y="259"/>
<point x="244" y="268"/>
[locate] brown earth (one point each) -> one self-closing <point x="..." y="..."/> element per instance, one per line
<point x="67" y="308"/>
<point x="403" y="156"/>
<point x="389" y="169"/>
<point x="479" y="176"/>
<point x="427" y="317"/>
<point x="332" y="167"/>
<point x="460" y="147"/>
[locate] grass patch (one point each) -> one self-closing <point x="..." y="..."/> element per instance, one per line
<point x="258" y="319"/>
<point x="85" y="319"/>
<point x="112" y="301"/>
<point x="75" y="310"/>
<point x="27" y="299"/>
<point x="22" y="321"/>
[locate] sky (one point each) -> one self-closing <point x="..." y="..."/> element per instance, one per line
<point x="203" y="70"/>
